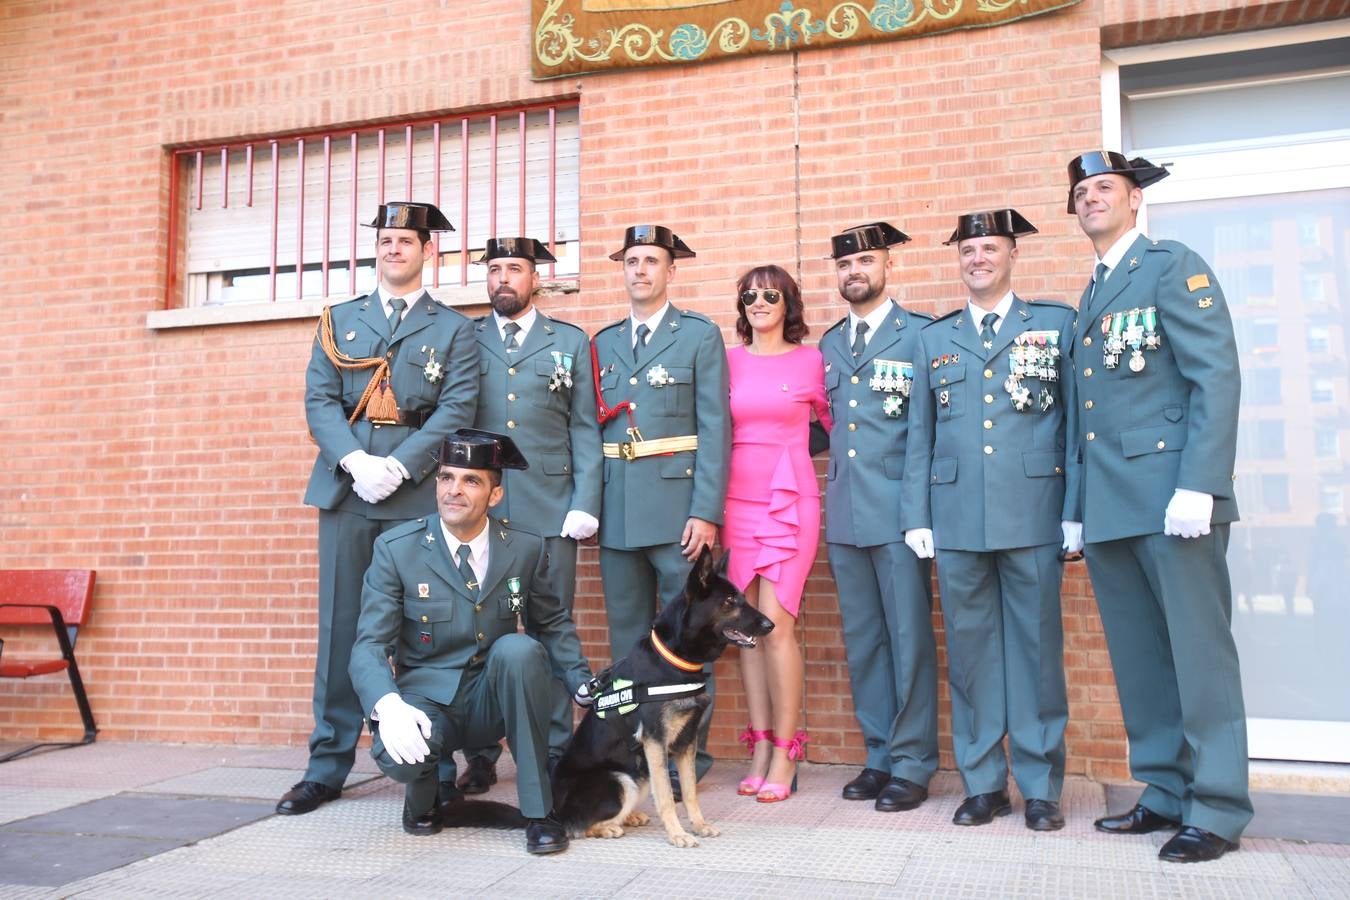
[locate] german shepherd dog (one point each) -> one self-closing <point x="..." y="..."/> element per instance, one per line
<point x="613" y="757"/>
<point x="612" y="760"/>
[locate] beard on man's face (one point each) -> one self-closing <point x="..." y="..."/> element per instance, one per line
<point x="506" y="302"/>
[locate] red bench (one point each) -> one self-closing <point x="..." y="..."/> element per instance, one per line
<point x="36" y="597"/>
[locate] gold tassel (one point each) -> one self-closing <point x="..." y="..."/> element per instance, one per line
<point x="383" y="407"/>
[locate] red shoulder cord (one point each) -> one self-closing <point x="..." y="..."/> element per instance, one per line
<point x="603" y="412"/>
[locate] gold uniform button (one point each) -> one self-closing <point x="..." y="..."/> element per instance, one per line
<point x="632" y="381"/>
<point x="988" y="449"/>
<point x="425" y="620"/>
<point x="1087" y="404"/>
<point x="632" y="404"/>
<point x="1059" y="470"/>
<point x="1087" y="341"/>
<point x="1162" y="445"/>
<point x="852" y="453"/>
<point x="510" y="396"/>
<point x="689" y="471"/>
<point x="510" y="424"/>
<point x="480" y="635"/>
<point x="988" y="398"/>
<point x="852" y="426"/>
<point x="988" y="373"/>
<point x="478" y="608"/>
<point x="511" y="371"/>
<point x="854" y="379"/>
<point x="988" y="423"/>
<point x="506" y="521"/>
<point x="1087" y="373"/>
<point x="852" y="403"/>
<point x="1092" y="435"/>
<point x="942" y="381"/>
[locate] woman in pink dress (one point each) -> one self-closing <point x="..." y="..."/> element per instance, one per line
<point x="772" y="523"/>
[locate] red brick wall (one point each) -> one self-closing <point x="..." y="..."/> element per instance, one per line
<point x="173" y="462"/>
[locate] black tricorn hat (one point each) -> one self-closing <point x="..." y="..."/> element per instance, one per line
<point x="473" y="448"/>
<point x="873" y="236"/>
<point x="1108" y="162"/>
<point x="1002" y="222"/>
<point x="657" y="236"/>
<point x="417" y="216"/>
<point x="517" y="248"/>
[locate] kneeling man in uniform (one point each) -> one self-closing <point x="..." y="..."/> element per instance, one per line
<point x="438" y="663"/>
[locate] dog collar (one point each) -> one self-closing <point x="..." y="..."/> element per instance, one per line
<point x="683" y="665"/>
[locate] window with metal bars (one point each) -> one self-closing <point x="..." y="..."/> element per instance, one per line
<point x="277" y="219"/>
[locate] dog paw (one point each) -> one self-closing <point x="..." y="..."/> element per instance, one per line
<point x="636" y="819"/>
<point x="682" y="839"/>
<point x="604" y="831"/>
<point x="706" y="830"/>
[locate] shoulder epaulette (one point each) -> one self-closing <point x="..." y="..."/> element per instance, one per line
<point x="927" y="317"/>
<point x="696" y="315"/>
<point x="1167" y="246"/>
<point x="1053" y="304"/>
<point x="612" y="325"/>
<point x="567" y="326"/>
<point x="947" y="315"/>
<point x="406" y="529"/>
<point x="353" y="300"/>
<point x="837" y="324"/>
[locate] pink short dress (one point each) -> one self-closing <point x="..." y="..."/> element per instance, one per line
<point x="772" y="524"/>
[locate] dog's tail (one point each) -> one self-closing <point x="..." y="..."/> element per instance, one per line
<point x="480" y="814"/>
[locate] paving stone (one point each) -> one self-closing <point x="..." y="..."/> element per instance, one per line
<point x="231" y="781"/>
<point x="55" y="859"/>
<point x="176" y="819"/>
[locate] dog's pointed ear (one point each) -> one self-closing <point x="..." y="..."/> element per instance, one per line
<point x="705" y="569"/>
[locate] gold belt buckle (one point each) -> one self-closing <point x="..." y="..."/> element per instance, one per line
<point x="381" y="421"/>
<point x="627" y="452"/>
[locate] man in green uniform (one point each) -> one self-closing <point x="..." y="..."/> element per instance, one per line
<point x="885" y="595"/>
<point x="535" y="385"/>
<point x="667" y="443"/>
<point x="1154" y="428"/>
<point x="390" y="376"/>
<point x="984" y="485"/>
<point x="438" y="662"/>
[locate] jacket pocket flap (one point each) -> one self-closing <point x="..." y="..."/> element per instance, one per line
<point x="1043" y="463"/>
<point x="430" y="610"/>
<point x="680" y="374"/>
<point x="947" y="375"/>
<point x="1155" y="439"/>
<point x="893" y="464"/>
<point x="555" y="463"/>
<point x="681" y="465"/>
<point x="943" y="470"/>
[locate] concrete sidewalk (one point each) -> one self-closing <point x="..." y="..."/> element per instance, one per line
<point x="141" y="820"/>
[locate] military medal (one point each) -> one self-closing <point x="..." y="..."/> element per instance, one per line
<point x="1136" y="360"/>
<point x="423" y="591"/>
<point x="875" y="381"/>
<point x="424" y="637"/>
<point x="905" y="378"/>
<point x="514" y="598"/>
<point x="562" y="371"/>
<point x="1152" y="339"/>
<point x="433" y="370"/>
<point x="944" y="399"/>
<point x="657" y="376"/>
<point x="893" y="405"/>
<point x="1021" y="399"/>
<point x="1047" y="399"/>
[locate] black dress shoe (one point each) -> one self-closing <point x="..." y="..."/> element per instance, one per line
<point x="981" y="809"/>
<point x="1192" y="844"/>
<point x="544" y="836"/>
<point x="481" y="775"/>
<point x="1044" y="815"/>
<point x="867" y="785"/>
<point x="1140" y="820"/>
<point x="900" y="794"/>
<point x="306" y="796"/>
<point x="425" y="825"/>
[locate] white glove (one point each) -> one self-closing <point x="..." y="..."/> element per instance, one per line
<point x="579" y="525"/>
<point x="1188" y="513"/>
<point x="403" y="728"/>
<point x="583" y="696"/>
<point x="371" y="475"/>
<point x="1073" y="537"/>
<point x="397" y="468"/>
<point x="920" y="540"/>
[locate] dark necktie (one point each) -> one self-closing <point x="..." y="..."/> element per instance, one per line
<point x="466" y="570"/>
<point x="987" y="330"/>
<point x="511" y="344"/>
<point x="1098" y="277"/>
<point x="642" y="332"/>
<point x="397" y="305"/>
<point x="859" y="339"/>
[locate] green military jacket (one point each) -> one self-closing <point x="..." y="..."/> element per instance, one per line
<point x="433" y="367"/>
<point x="421" y="626"/>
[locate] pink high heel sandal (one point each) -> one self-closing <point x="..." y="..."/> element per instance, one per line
<point x="750" y="785"/>
<point x="776" y="793"/>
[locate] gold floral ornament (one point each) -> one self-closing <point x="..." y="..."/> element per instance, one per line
<point x="575" y="36"/>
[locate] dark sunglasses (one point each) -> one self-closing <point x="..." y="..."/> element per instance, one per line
<point x="771" y="296"/>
